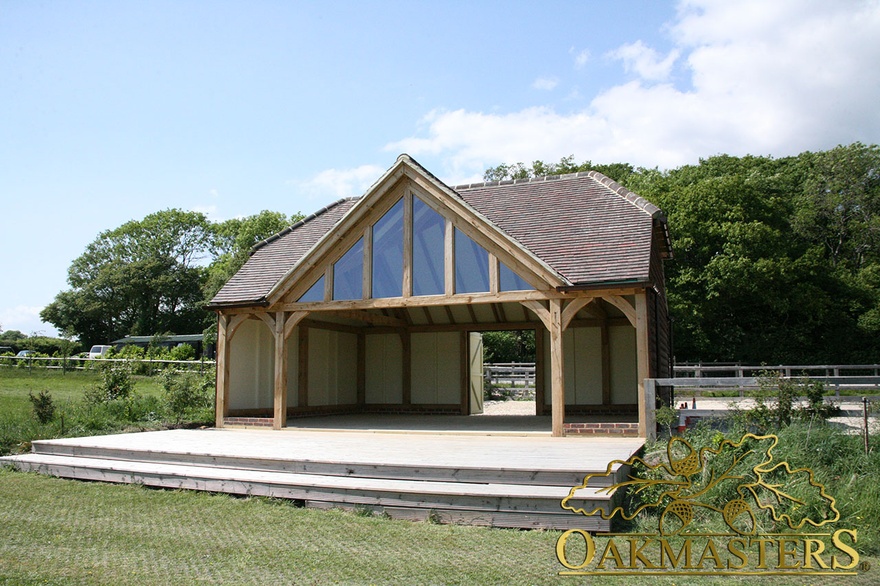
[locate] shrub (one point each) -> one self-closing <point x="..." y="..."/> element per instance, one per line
<point x="44" y="406"/>
<point x="187" y="392"/>
<point x="182" y="352"/>
<point x="115" y="384"/>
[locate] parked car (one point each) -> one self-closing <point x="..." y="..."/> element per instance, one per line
<point x="99" y="351"/>
<point x="6" y="350"/>
<point x="25" y="353"/>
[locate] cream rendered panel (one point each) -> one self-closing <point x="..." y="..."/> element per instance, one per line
<point x="548" y="375"/>
<point x="346" y="368"/>
<point x="320" y="365"/>
<point x="252" y="367"/>
<point x="582" y="364"/>
<point x="436" y="368"/>
<point x="624" y="374"/>
<point x="293" y="369"/>
<point x="587" y="383"/>
<point x="384" y="369"/>
<point x="332" y="367"/>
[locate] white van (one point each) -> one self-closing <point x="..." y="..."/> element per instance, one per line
<point x="99" y="351"/>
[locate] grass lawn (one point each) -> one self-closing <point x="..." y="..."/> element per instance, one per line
<point x="67" y="532"/>
<point x="16" y="383"/>
<point x="56" y="531"/>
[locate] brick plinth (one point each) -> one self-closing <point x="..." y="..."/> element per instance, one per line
<point x="602" y="429"/>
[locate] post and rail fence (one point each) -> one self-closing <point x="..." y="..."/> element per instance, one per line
<point x="69" y="363"/>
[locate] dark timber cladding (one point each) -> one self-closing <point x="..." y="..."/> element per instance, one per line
<point x="382" y="291"/>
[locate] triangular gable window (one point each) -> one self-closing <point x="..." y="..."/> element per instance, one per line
<point x="428" y="243"/>
<point x="510" y="281"/>
<point x="315" y="292"/>
<point x="388" y="253"/>
<point x="348" y="274"/>
<point x="379" y="266"/>
<point x="471" y="265"/>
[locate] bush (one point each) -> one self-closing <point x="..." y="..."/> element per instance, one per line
<point x="182" y="352"/>
<point x="44" y="406"/>
<point x="115" y="384"/>
<point x="187" y="393"/>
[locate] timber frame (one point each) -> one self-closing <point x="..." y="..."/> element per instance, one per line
<point x="368" y="345"/>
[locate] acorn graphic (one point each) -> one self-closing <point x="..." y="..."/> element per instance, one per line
<point x="739" y="516"/>
<point x="676" y="517"/>
<point x="687" y="464"/>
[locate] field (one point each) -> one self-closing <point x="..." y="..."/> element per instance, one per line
<point x="55" y="531"/>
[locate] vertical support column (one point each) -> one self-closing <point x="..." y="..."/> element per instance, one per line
<point x="221" y="406"/>
<point x="557" y="371"/>
<point x="646" y="410"/>
<point x="280" y="402"/>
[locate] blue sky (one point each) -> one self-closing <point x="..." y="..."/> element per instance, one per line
<point x="110" y="111"/>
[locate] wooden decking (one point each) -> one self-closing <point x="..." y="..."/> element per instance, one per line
<point x="476" y="477"/>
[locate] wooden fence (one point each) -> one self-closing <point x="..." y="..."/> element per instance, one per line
<point x="82" y="363"/>
<point x="518" y="378"/>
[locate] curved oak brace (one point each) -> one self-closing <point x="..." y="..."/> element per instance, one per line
<point x="623" y="305"/>
<point x="233" y="324"/>
<point x="540" y="310"/>
<point x="574" y="306"/>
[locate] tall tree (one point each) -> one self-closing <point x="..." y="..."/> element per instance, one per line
<point x="776" y="260"/>
<point x="233" y="241"/>
<point x="144" y="277"/>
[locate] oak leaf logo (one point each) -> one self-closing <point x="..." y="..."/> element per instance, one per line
<point x="690" y="479"/>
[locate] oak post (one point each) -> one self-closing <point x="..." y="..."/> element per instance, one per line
<point x="222" y="401"/>
<point x="280" y="403"/>
<point x="646" y="411"/>
<point x="557" y="372"/>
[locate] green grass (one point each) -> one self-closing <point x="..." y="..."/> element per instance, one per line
<point x="67" y="532"/>
<point x="55" y="531"/>
<point x="19" y="427"/>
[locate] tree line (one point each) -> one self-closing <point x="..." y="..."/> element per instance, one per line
<point x="154" y="276"/>
<point x="776" y="260"/>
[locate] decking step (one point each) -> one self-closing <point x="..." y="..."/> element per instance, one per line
<point x="497" y="504"/>
<point x="350" y="467"/>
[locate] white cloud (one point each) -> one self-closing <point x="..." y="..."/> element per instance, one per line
<point x="581" y="58"/>
<point x="759" y="77"/>
<point x="339" y="183"/>
<point x="545" y="83"/>
<point x="645" y="61"/>
<point x="25" y="319"/>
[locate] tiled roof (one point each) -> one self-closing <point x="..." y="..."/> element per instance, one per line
<point x="272" y="258"/>
<point x="585" y="226"/>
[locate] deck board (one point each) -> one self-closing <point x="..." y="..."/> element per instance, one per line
<point x="499" y="480"/>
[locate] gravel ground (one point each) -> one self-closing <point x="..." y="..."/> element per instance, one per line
<point x="508" y="408"/>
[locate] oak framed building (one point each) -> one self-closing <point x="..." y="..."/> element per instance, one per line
<point x="370" y="304"/>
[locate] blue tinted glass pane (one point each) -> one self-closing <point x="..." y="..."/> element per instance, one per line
<point x="388" y="253"/>
<point x="348" y="273"/>
<point x="428" y="229"/>
<point x="510" y="281"/>
<point x="315" y="292"/>
<point x="471" y="265"/>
